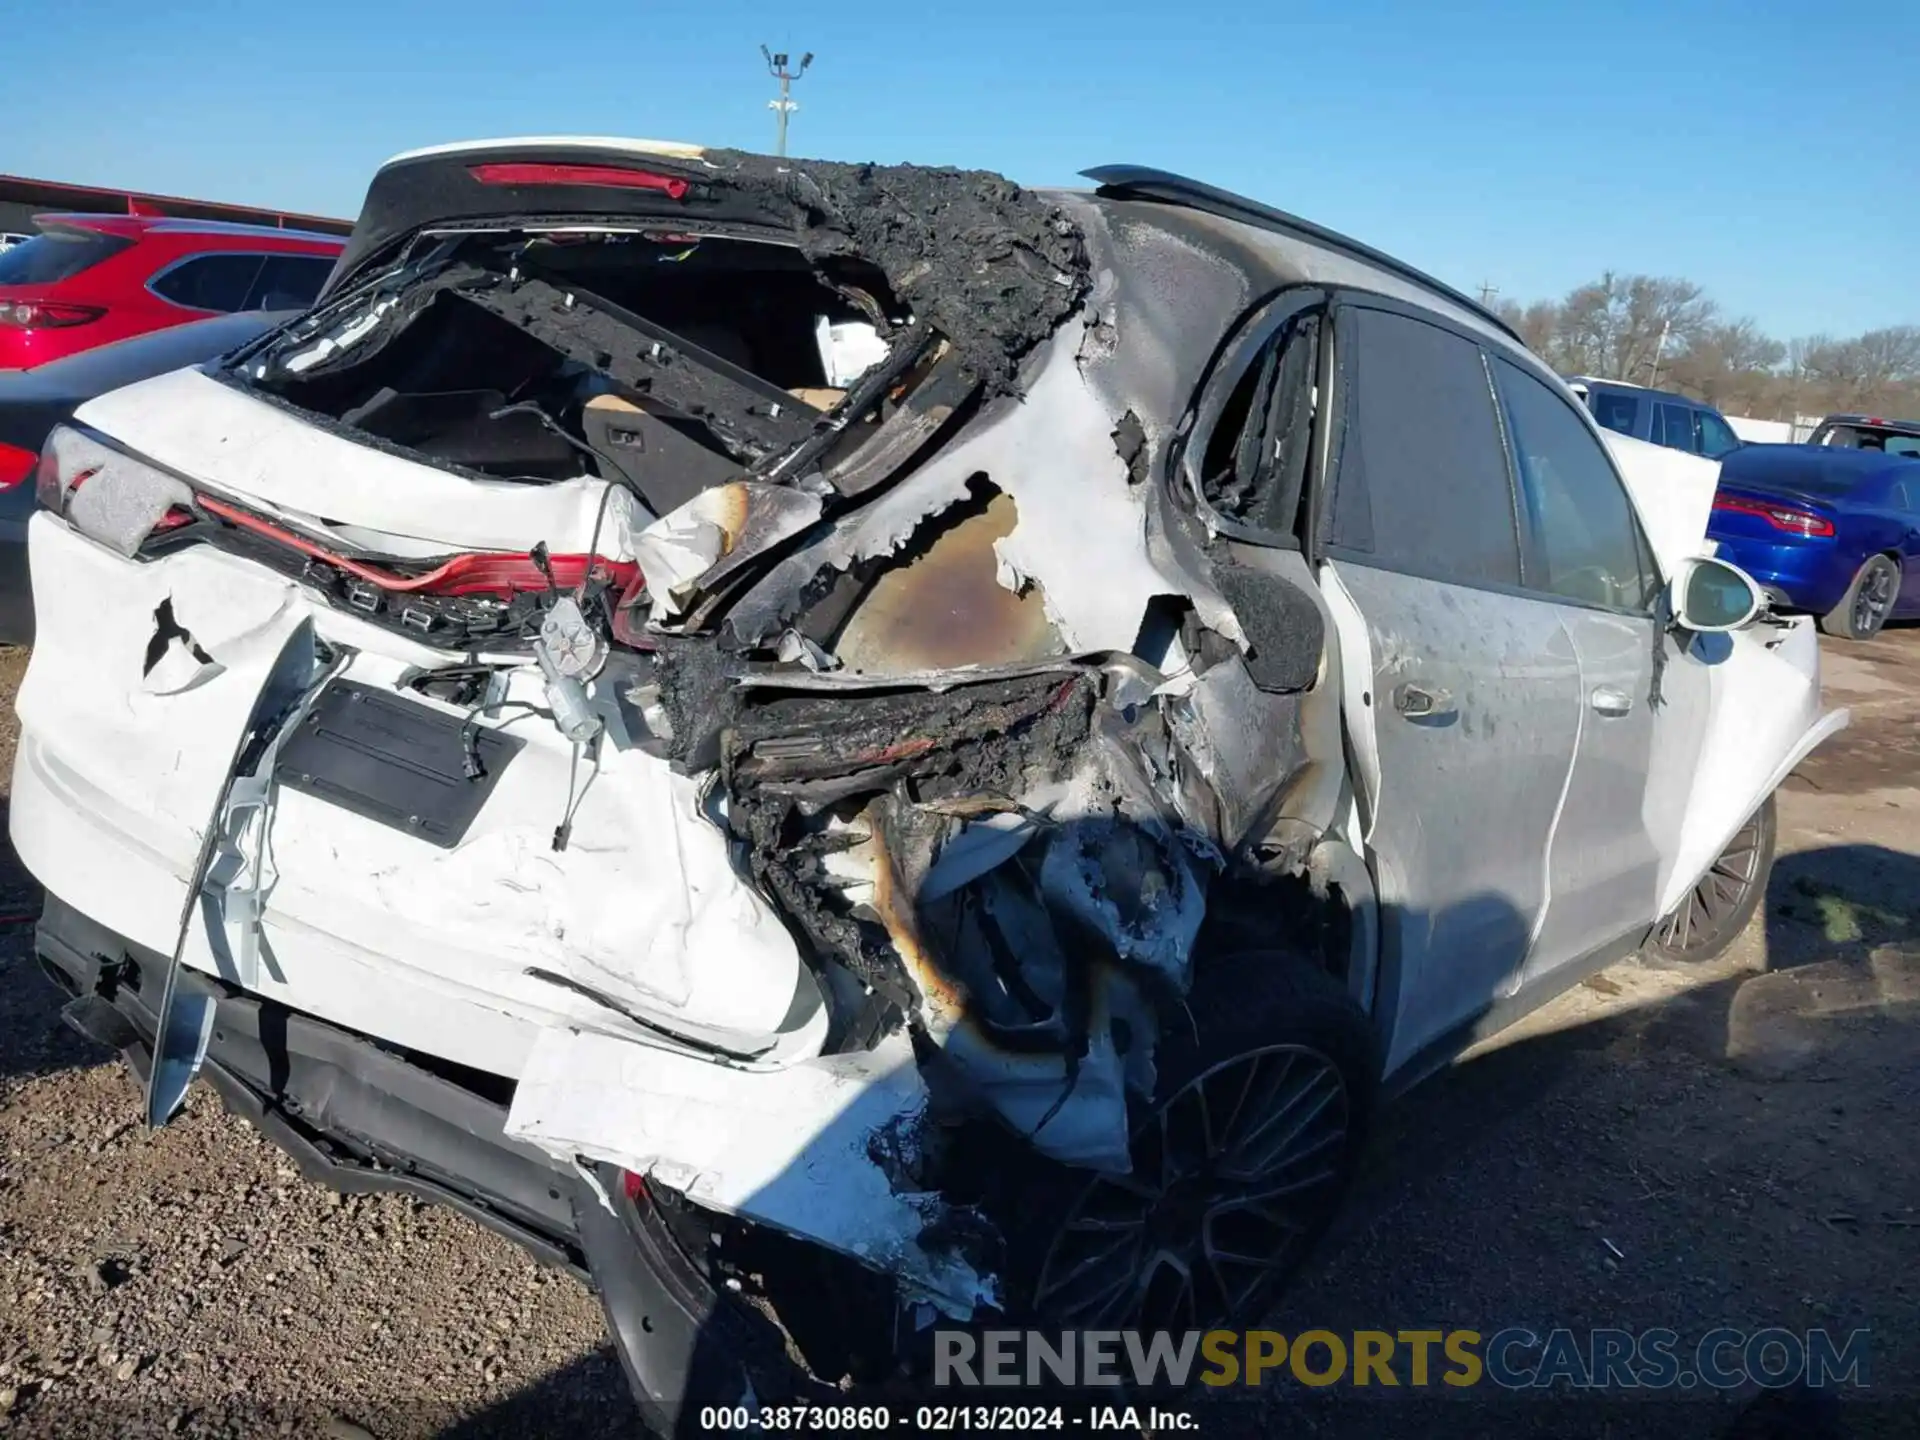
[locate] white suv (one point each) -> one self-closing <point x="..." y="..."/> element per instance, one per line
<point x="748" y="720"/>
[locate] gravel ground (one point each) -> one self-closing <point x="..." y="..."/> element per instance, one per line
<point x="1732" y="1145"/>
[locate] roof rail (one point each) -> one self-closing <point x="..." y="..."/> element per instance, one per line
<point x="1143" y="182"/>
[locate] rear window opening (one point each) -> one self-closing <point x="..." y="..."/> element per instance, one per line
<point x="58" y="253"/>
<point x="674" y="359"/>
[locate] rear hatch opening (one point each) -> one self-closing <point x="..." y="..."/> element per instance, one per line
<point x="671" y="360"/>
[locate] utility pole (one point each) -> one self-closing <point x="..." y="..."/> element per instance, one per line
<point x="786" y="104"/>
<point x="1660" y="349"/>
<point x="1487" y="291"/>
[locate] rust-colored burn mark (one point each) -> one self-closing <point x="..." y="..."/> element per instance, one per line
<point x="945" y="608"/>
<point x="945" y="1001"/>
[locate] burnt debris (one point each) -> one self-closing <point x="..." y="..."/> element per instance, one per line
<point x="993" y="267"/>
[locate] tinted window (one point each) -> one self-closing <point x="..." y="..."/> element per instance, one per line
<point x="59" y="254"/>
<point x="1673" y="426"/>
<point x="1422" y="483"/>
<point x="1903" y="445"/>
<point x="1716" y="436"/>
<point x="1616" y="412"/>
<point x="1585" y="543"/>
<point x="288" y="282"/>
<point x="1256" y="461"/>
<point x="209" y="282"/>
<point x="107" y="367"/>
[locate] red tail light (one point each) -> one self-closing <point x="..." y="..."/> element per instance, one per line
<point x="634" y="1185"/>
<point x="16" y="465"/>
<point x="1781" y="517"/>
<point x="472" y="574"/>
<point x="45" y="315"/>
<point x="514" y="172"/>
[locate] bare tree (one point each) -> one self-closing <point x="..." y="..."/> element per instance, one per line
<point x="1644" y="328"/>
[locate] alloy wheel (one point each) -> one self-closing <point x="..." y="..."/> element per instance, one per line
<point x="1234" y="1176"/>
<point x="1874" y="598"/>
<point x="1698" y="920"/>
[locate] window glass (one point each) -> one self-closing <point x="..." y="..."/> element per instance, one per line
<point x="1616" y="412"/>
<point x="1422" y="482"/>
<point x="59" y="253"/>
<point x="209" y="282"/>
<point x="1716" y="436"/>
<point x="1903" y="444"/>
<point x="1256" y="461"/>
<point x="1673" y="426"/>
<point x="1586" y="541"/>
<point x="288" y="282"/>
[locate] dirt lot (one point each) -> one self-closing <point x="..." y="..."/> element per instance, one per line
<point x="1737" y="1145"/>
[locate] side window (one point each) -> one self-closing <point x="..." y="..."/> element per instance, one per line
<point x="1616" y="412"/>
<point x="1422" y="483"/>
<point x="1585" y="542"/>
<point x="1716" y="436"/>
<point x="209" y="282"/>
<point x="1257" y="457"/>
<point x="1673" y="426"/>
<point x="288" y="282"/>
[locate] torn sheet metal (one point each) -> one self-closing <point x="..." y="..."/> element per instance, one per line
<point x="683" y="548"/>
<point x="944" y="607"/>
<point x="1075" y="504"/>
<point x="1760" y="716"/>
<point x="800" y="1153"/>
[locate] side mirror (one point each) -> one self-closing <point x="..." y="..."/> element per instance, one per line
<point x="1709" y="596"/>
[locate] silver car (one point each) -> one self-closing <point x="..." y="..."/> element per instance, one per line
<point x="789" y="732"/>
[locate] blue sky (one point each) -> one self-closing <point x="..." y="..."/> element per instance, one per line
<point x="1525" y="145"/>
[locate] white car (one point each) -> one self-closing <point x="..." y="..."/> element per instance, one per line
<point x="791" y="733"/>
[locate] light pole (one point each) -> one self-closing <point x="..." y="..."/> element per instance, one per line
<point x="786" y="104"/>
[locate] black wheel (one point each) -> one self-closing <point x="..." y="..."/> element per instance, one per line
<point x="1243" y="1159"/>
<point x="1868" y="601"/>
<point x="1716" y="910"/>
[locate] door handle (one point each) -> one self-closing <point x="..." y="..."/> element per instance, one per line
<point x="1418" y="702"/>
<point x="1609" y="701"/>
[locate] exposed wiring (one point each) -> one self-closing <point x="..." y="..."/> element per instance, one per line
<point x="470" y="731"/>
<point x="563" y="832"/>
<point x="612" y="474"/>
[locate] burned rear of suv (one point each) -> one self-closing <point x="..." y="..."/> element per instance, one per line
<point x="839" y="541"/>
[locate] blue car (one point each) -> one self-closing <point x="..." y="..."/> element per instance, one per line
<point x="1831" y="527"/>
<point x="1660" y="417"/>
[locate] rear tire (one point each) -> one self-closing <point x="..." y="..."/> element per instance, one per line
<point x="1240" y="1162"/>
<point x="1868" y="601"/>
<point x="1712" y="914"/>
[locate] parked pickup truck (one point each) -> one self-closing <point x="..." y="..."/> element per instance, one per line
<point x="1831" y="527"/>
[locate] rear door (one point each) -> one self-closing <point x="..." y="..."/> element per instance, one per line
<point x="1903" y="498"/>
<point x="1584" y="553"/>
<point x="1466" y="729"/>
<point x="1673" y="426"/>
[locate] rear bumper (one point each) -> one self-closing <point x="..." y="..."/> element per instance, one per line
<point x="360" y="1117"/>
<point x="1811" y="575"/>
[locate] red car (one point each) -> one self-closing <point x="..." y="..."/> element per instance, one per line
<point x="86" y="280"/>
